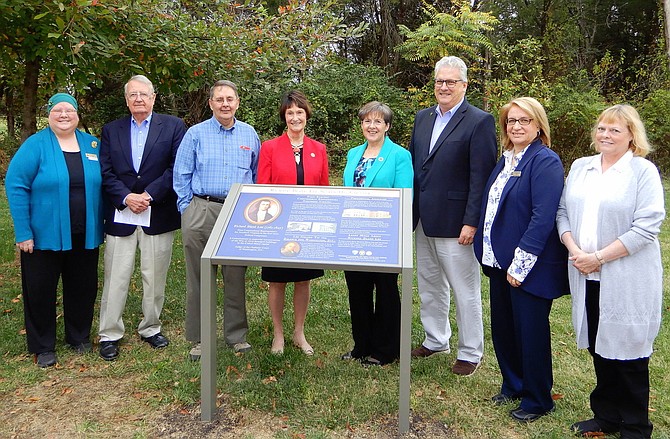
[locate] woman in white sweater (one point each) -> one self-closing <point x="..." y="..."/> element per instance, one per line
<point x="609" y="219"/>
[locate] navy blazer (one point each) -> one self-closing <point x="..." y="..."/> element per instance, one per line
<point x="119" y="177"/>
<point x="449" y="181"/>
<point x="526" y="218"/>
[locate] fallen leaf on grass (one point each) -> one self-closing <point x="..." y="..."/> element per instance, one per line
<point x="557" y="396"/>
<point x="233" y="369"/>
<point x="83" y="368"/>
<point x="299" y="435"/>
<point x="248" y="366"/>
<point x="269" y="380"/>
<point x="33" y="399"/>
<point x="350" y="428"/>
<point x="22" y="331"/>
<point x="184" y="412"/>
<point x="66" y="391"/>
<point x="7" y="311"/>
<point x="594" y="434"/>
<point x="17" y="299"/>
<point x="418" y="393"/>
<point x="319" y="363"/>
<point x="194" y="380"/>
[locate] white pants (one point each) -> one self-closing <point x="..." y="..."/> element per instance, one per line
<point x="155" y="255"/>
<point x="443" y="263"/>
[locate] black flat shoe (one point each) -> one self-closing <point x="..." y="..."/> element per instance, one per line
<point x="590" y="427"/>
<point x="46" y="359"/>
<point x="109" y="350"/>
<point x="521" y="415"/>
<point x="349" y="356"/>
<point x="157" y="341"/>
<point x="371" y="361"/>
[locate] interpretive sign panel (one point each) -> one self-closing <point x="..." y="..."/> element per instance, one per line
<point x="336" y="228"/>
<point x="289" y="225"/>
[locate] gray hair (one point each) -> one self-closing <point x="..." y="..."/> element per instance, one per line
<point x="223" y="83"/>
<point x="455" y="62"/>
<point x="139" y="78"/>
<point x="376" y="107"/>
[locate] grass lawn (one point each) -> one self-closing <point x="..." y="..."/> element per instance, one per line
<point x="148" y="393"/>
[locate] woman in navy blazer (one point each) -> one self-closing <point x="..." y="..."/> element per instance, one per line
<point x="292" y="158"/>
<point x="519" y="249"/>
<point x="375" y="324"/>
<point x="54" y="191"/>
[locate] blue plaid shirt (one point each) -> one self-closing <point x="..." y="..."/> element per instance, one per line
<point x="211" y="159"/>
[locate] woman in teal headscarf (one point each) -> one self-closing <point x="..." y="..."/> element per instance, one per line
<point x="53" y="186"/>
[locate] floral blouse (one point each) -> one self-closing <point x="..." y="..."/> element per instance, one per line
<point x="523" y="261"/>
<point x="362" y="168"/>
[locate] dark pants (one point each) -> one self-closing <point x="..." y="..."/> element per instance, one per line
<point x="522" y="342"/>
<point x="375" y="322"/>
<point x="40" y="272"/>
<point x="620" y="400"/>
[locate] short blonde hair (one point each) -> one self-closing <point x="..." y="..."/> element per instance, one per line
<point x="536" y="112"/>
<point x="630" y="117"/>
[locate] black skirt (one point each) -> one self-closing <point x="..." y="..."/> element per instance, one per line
<point x="276" y="274"/>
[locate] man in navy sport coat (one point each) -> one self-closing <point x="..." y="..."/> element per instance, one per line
<point x="137" y="155"/>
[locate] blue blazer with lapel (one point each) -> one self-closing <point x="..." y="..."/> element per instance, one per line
<point x="449" y="181"/>
<point x="392" y="168"/>
<point x="119" y="177"/>
<point x="526" y="218"/>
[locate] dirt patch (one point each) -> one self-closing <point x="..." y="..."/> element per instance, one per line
<point x="87" y="402"/>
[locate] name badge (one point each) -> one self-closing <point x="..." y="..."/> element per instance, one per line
<point x="516" y="173"/>
<point x="92" y="157"/>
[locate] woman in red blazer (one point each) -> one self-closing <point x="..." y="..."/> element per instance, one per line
<point x="292" y="158"/>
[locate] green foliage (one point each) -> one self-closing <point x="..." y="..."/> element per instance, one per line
<point x="461" y="33"/>
<point x="572" y="111"/>
<point x="655" y="111"/>
<point x="336" y="91"/>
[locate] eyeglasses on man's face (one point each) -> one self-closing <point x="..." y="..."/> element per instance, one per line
<point x="139" y="95"/>
<point x="522" y="121"/>
<point x="450" y="83"/>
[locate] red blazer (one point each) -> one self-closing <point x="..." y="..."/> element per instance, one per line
<point x="276" y="163"/>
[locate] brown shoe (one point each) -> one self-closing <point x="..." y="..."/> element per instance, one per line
<point x="464" y="368"/>
<point x="422" y="352"/>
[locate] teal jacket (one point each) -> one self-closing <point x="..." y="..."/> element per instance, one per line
<point x="392" y="168"/>
<point x="38" y="191"/>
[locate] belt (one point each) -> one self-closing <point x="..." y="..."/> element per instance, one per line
<point x="210" y="198"/>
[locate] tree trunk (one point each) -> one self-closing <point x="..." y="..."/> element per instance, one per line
<point x="29" y="112"/>
<point x="9" y="105"/>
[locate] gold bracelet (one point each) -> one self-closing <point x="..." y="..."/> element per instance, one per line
<point x="599" y="257"/>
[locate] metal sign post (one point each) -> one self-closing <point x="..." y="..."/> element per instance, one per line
<point x="328" y="227"/>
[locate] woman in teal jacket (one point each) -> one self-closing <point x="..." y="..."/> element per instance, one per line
<point x="53" y="186"/>
<point x="375" y="323"/>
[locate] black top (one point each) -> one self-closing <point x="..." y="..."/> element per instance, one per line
<point x="77" y="192"/>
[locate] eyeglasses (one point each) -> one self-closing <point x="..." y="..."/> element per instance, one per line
<point x="67" y="111"/>
<point x="522" y="121"/>
<point x="224" y="100"/>
<point x="142" y="96"/>
<point x="450" y="83"/>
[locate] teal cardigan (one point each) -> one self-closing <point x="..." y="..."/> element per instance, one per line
<point x="392" y="168"/>
<point x="38" y="191"/>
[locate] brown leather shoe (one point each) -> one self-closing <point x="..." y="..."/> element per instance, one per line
<point x="422" y="352"/>
<point x="464" y="368"/>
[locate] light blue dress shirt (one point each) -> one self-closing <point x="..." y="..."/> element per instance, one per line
<point x="212" y="158"/>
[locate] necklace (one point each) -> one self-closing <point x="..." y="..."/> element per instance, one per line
<point x="296" y="152"/>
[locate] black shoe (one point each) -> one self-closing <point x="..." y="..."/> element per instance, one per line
<point x="109" y="350"/>
<point x="157" y="341"/>
<point x="349" y="356"/>
<point x="502" y="399"/>
<point x="371" y="361"/>
<point x="589" y="427"/>
<point x="82" y="348"/>
<point x="46" y="359"/>
<point x="521" y="415"/>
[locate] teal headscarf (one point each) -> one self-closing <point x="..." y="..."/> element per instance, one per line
<point x="62" y="97"/>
